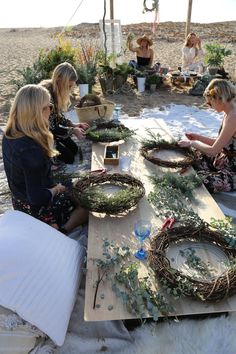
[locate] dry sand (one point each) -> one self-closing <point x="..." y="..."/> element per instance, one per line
<point x="19" y="48"/>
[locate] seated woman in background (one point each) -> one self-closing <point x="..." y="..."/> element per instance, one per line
<point x="63" y="80"/>
<point x="143" y="52"/>
<point x="27" y="148"/>
<point x="192" y="53"/>
<point x="216" y="158"/>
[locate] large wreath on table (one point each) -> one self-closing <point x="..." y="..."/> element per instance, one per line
<point x="108" y="132"/>
<point x="89" y="196"/>
<point x="150" y="146"/>
<point x="214" y="289"/>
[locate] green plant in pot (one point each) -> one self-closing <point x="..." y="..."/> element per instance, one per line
<point x="86" y="74"/>
<point x="214" y="57"/>
<point x="120" y="74"/>
<point x="153" y="81"/>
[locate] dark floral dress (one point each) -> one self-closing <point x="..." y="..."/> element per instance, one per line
<point x="28" y="171"/>
<point x="58" y="211"/>
<point x="62" y="130"/>
<point x="218" y="172"/>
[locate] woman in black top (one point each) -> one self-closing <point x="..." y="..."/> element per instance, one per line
<point x="143" y="51"/>
<point x="59" y="86"/>
<point x="27" y="148"/>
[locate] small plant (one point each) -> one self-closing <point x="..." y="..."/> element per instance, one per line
<point x="154" y="79"/>
<point x="215" y="54"/>
<point x="86" y="73"/>
<point x="141" y="72"/>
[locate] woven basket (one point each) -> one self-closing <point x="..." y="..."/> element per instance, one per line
<point x="91" y="113"/>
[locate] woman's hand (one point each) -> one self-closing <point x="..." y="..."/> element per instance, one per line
<point x="58" y="188"/>
<point x="78" y="132"/>
<point x="191" y="136"/>
<point x="82" y="125"/>
<point x="185" y="143"/>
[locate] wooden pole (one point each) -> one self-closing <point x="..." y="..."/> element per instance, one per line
<point x="112" y="27"/>
<point x="111" y="10"/>
<point x="187" y="28"/>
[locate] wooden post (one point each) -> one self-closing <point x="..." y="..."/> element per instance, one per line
<point x="111" y="10"/>
<point x="187" y="28"/>
<point x="112" y="27"/>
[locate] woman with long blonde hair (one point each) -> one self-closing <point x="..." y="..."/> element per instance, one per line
<point x="27" y="148"/>
<point x="63" y="80"/>
<point x="216" y="157"/>
<point x="192" y="53"/>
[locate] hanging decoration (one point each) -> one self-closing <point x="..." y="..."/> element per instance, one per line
<point x="154" y="7"/>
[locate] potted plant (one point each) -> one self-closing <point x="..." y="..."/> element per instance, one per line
<point x="214" y="58"/>
<point x="140" y="78"/>
<point x="113" y="78"/>
<point x="86" y="77"/>
<point x="153" y="81"/>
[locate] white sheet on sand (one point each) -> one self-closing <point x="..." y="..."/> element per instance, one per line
<point x="40" y="270"/>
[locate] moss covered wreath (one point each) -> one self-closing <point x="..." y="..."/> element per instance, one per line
<point x="90" y="196"/>
<point x="178" y="283"/>
<point x="150" y="146"/>
<point x="108" y="131"/>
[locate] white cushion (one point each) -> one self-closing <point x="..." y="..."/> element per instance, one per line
<point x="39" y="273"/>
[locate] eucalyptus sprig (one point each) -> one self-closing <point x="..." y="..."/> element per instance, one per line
<point x="139" y="296"/>
<point x="113" y="255"/>
<point x="183" y="184"/>
<point x="226" y="227"/>
<point x="171" y="196"/>
<point x="195" y="262"/>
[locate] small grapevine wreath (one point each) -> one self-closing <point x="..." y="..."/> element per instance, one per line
<point x="108" y="132"/>
<point x="155" y="6"/>
<point x="214" y="289"/>
<point x="90" y="196"/>
<point x="146" y="152"/>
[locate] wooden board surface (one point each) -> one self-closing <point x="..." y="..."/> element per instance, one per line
<point x="120" y="229"/>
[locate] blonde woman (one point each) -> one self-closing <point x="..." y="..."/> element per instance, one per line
<point x="63" y="80"/>
<point x="27" y="148"/>
<point x="216" y="157"/>
<point x="192" y="53"/>
<point x="143" y="52"/>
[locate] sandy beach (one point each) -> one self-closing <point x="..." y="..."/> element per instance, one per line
<point x="20" y="48"/>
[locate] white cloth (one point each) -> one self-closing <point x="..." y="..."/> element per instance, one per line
<point x="40" y="270"/>
<point x="189" y="60"/>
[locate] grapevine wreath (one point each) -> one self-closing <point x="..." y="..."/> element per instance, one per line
<point x="214" y="289"/>
<point x="151" y="146"/>
<point x="89" y="194"/>
<point x="104" y="131"/>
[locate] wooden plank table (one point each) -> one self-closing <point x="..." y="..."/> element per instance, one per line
<point x="120" y="229"/>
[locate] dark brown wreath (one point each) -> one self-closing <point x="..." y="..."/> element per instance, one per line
<point x="185" y="162"/>
<point x="121" y="201"/>
<point x="212" y="290"/>
<point x="115" y="132"/>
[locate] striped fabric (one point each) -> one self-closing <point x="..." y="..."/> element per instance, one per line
<point x="40" y="271"/>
